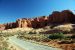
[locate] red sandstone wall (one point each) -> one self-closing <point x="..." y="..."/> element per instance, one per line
<point x="56" y="17"/>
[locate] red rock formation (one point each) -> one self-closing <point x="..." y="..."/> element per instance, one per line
<point x="56" y="17"/>
<point x="2" y="27"/>
<point x="39" y="22"/>
<point x="23" y="23"/>
<point x="10" y="25"/>
<point x="65" y="16"/>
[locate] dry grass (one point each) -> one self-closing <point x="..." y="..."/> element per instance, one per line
<point x="54" y="43"/>
<point x="67" y="27"/>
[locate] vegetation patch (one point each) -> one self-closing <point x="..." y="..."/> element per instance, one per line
<point x="56" y="36"/>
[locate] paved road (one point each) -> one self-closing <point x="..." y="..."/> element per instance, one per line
<point x="28" y="45"/>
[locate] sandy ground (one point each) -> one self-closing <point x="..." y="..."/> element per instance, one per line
<point x="61" y="46"/>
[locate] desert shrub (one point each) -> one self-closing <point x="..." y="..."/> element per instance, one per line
<point x="67" y="37"/>
<point x="56" y="36"/>
<point x="66" y="42"/>
<point x="52" y="26"/>
<point x="3" y="43"/>
<point x="32" y="33"/>
<point x="44" y="38"/>
<point x="73" y="36"/>
<point x="5" y="49"/>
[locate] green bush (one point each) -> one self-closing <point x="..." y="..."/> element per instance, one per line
<point x="56" y="36"/>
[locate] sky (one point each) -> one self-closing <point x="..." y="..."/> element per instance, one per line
<point x="10" y="10"/>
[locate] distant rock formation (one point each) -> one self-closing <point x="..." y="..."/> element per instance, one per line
<point x="65" y="16"/>
<point x="2" y="27"/>
<point x="23" y="23"/>
<point x="56" y="17"/>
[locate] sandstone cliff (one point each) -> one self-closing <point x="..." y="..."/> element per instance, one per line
<point x="56" y="17"/>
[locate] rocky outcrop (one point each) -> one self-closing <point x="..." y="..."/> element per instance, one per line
<point x="39" y="22"/>
<point x="35" y="23"/>
<point x="56" y="17"/>
<point x="10" y="25"/>
<point x="22" y="23"/>
<point x="65" y="16"/>
<point x="2" y="27"/>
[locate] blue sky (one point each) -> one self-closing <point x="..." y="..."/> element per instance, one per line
<point x="10" y="10"/>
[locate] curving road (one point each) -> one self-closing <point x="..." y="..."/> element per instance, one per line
<point x="28" y="45"/>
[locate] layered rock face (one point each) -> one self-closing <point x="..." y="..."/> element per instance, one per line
<point x="56" y="17"/>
